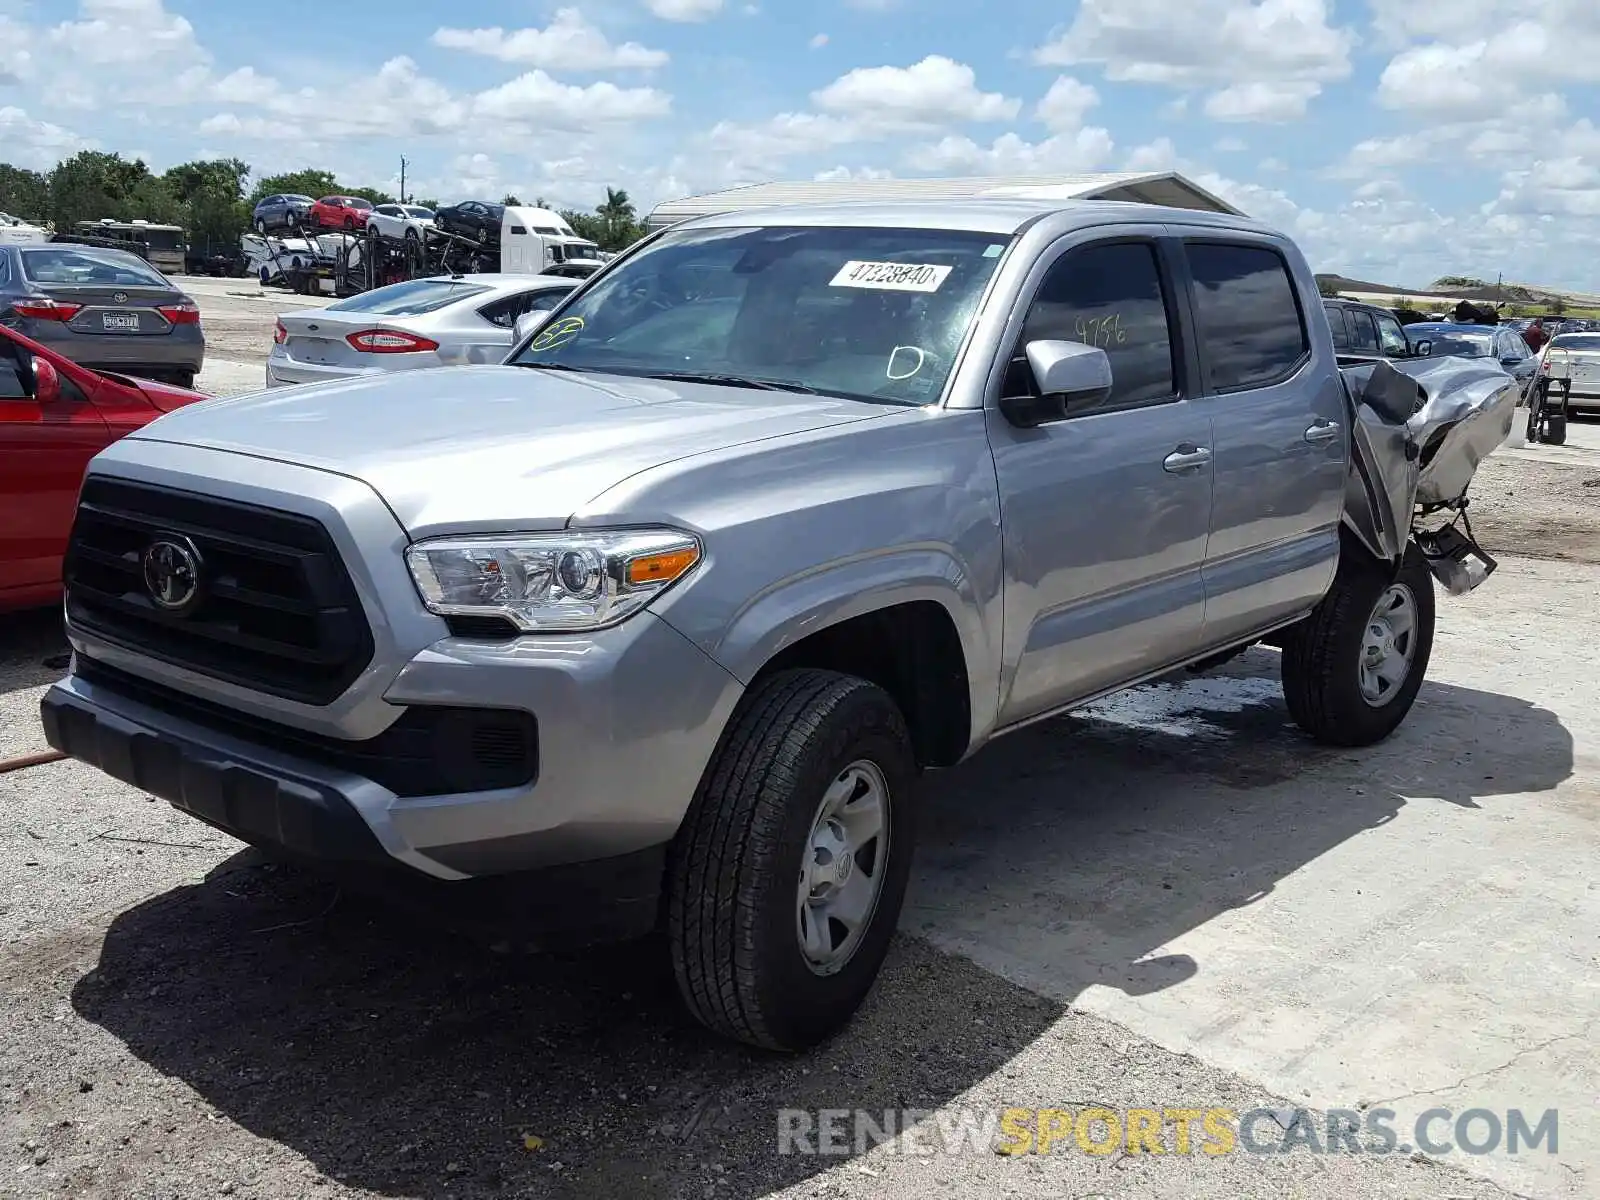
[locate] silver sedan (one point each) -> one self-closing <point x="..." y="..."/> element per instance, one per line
<point x="447" y="320"/>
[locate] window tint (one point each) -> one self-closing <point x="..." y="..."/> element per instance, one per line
<point x="545" y="301"/>
<point x="13" y="382"/>
<point x="1391" y="337"/>
<point x="5" y="268"/>
<point x="1111" y="297"/>
<point x="1363" y="334"/>
<point x="1251" y="332"/>
<point x="88" y="265"/>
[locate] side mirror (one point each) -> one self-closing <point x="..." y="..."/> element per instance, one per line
<point x="1510" y="360"/>
<point x="1424" y="349"/>
<point x="528" y="324"/>
<point x="46" y="381"/>
<point x="1070" y="376"/>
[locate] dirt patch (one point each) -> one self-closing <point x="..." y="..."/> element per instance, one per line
<point x="1537" y="509"/>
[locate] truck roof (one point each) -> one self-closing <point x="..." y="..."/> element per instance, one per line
<point x="999" y="215"/>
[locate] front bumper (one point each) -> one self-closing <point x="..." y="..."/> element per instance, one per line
<point x="545" y="867"/>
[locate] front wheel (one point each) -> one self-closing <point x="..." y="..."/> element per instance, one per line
<point x="1352" y="669"/>
<point x="788" y="875"/>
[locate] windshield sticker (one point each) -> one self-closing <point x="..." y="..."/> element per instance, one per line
<point x="902" y="364"/>
<point x="558" y="335"/>
<point x="993" y="250"/>
<point x="890" y="276"/>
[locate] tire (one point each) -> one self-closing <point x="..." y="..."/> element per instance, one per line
<point x="1555" y="430"/>
<point x="1322" y="656"/>
<point x="412" y="235"/>
<point x="184" y="379"/>
<point x="734" y="912"/>
<point x="349" y="222"/>
<point x="261" y="227"/>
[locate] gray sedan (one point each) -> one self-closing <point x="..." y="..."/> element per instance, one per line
<point x="446" y="320"/>
<point x="106" y="309"/>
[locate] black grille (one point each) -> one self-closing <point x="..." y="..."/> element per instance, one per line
<point x="277" y="612"/>
<point x="483" y="629"/>
<point x="430" y="750"/>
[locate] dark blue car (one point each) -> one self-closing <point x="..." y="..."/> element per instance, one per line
<point x="1498" y="342"/>
<point x="284" y="211"/>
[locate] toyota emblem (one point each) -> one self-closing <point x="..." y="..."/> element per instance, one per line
<point x="120" y="297"/>
<point x="171" y="568"/>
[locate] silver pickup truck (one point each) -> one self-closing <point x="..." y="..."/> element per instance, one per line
<point x="652" y="628"/>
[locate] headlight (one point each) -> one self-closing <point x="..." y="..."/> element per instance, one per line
<point x="551" y="582"/>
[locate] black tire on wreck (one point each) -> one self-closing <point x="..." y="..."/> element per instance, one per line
<point x="741" y="860"/>
<point x="1328" y="659"/>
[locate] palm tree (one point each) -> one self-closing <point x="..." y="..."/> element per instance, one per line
<point x="617" y="217"/>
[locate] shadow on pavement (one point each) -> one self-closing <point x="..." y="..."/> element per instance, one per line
<point x="398" y="1061"/>
<point x="33" y="649"/>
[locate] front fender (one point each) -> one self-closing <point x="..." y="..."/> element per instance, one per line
<point x="800" y="605"/>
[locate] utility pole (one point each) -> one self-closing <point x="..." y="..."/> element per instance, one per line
<point x="403" y="165"/>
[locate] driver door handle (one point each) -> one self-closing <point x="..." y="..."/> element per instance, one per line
<point x="1186" y="457"/>
<point x="1323" y="431"/>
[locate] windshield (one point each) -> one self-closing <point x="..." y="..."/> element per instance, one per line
<point x="88" y="265"/>
<point x="870" y="314"/>
<point x="162" y="239"/>
<point x="1577" y="341"/>
<point x="414" y="211"/>
<point x="409" y="299"/>
<point x="1450" y="342"/>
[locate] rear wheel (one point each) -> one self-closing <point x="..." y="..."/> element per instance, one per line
<point x="788" y="875"/>
<point x="261" y="226"/>
<point x="1352" y="669"/>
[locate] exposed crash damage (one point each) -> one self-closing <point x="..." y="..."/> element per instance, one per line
<point x="1420" y="429"/>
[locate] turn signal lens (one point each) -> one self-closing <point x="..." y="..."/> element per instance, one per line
<point x="661" y="568"/>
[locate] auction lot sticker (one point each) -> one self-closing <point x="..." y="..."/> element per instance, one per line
<point x="890" y="276"/>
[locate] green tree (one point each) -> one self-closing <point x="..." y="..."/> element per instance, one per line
<point x="24" y="193"/>
<point x="1327" y="285"/>
<point x="1457" y="281"/>
<point x="214" y="177"/>
<point x="308" y="182"/>
<point x="366" y="193"/>
<point x="92" y="184"/>
<point x="510" y="198"/>
<point x="619" y="222"/>
<point x="1557" y="305"/>
<point x="585" y="225"/>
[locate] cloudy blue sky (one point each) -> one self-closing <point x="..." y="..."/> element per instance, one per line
<point x="1397" y="139"/>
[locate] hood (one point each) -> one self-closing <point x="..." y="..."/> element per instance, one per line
<point x="495" y="448"/>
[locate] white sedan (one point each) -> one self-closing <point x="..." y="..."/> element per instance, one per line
<point x="1574" y="356"/>
<point x="447" y="320"/>
<point x="400" y="221"/>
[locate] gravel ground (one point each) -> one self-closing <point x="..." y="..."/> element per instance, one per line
<point x="186" y="1019"/>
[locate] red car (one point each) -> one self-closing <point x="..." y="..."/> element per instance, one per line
<point x="54" y="417"/>
<point x="340" y="212"/>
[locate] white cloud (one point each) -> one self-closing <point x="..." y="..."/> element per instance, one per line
<point x="818" y="41"/>
<point x="1230" y="145"/>
<point x="852" y="174"/>
<point x="1086" y="150"/>
<point x="1238" y="46"/>
<point x="929" y="92"/>
<point x="536" y="101"/>
<point x="113" y="32"/>
<point x="568" y="43"/>
<point x="684" y="10"/>
<point x="35" y="144"/>
<point x="1066" y="104"/>
<point x="1159" y="155"/>
<point x="1275" y="100"/>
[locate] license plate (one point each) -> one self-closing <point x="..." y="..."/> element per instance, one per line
<point x="120" y="320"/>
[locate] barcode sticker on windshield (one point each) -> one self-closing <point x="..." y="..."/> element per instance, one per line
<point x="890" y="276"/>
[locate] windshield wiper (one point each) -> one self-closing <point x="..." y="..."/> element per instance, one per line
<point x="549" y="366"/>
<point x="763" y="385"/>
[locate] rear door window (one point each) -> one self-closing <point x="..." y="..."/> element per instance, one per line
<point x="1336" y="322"/>
<point x="1252" y="333"/>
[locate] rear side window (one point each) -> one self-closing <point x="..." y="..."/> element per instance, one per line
<point x="1251" y="332"/>
<point x="409" y="299"/>
<point x="1110" y="296"/>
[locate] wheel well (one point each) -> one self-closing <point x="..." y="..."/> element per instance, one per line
<point x="913" y="652"/>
